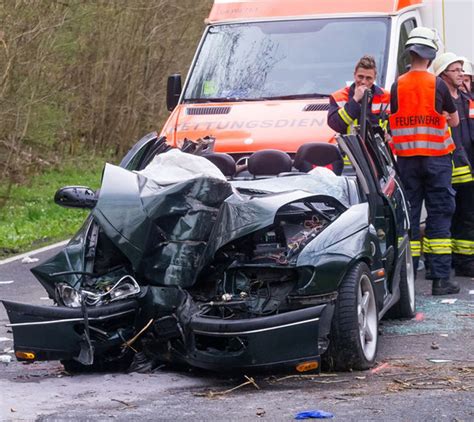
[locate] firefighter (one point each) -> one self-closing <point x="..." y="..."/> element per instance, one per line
<point x="449" y="67"/>
<point x="467" y="86"/>
<point x="422" y="109"/>
<point x="345" y="104"/>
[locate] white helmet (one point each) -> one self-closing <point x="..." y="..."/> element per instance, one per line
<point x="443" y="61"/>
<point x="422" y="41"/>
<point x="467" y="67"/>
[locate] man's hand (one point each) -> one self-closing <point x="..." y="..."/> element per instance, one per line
<point x="359" y="92"/>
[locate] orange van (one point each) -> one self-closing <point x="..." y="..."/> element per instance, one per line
<point x="264" y="69"/>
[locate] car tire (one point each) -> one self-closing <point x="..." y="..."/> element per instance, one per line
<point x="405" y="308"/>
<point x="354" y="330"/>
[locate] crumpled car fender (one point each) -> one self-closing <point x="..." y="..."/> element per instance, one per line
<point x="330" y="254"/>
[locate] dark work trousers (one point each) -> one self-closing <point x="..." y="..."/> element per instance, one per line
<point x="462" y="228"/>
<point x="429" y="179"/>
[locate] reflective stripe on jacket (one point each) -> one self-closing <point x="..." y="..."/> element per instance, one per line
<point x="417" y="128"/>
<point x="344" y="112"/>
<point x="471" y="109"/>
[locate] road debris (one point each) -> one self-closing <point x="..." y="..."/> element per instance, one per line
<point x="5" y="358"/>
<point x="314" y="414"/>
<point x="450" y="301"/>
<point x="420" y="316"/>
<point x="434" y="345"/>
<point x="380" y="368"/>
<point x="260" y="412"/>
<point x="428" y="383"/>
<point x="127" y="405"/>
<point x="297" y="376"/>
<point x="212" y="394"/>
<point x="29" y="260"/>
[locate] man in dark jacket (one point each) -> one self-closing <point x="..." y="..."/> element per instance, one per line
<point x="344" y="105"/>
<point x="449" y="67"/>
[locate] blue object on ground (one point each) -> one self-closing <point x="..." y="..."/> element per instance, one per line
<point x="314" y="414"/>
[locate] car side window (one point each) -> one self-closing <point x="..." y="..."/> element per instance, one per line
<point x="403" y="61"/>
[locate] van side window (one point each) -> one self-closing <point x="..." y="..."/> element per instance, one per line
<point x="403" y="61"/>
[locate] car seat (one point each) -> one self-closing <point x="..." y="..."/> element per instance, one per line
<point x="319" y="154"/>
<point x="269" y="162"/>
<point x="224" y="162"/>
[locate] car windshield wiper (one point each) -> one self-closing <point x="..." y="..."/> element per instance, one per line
<point x="214" y="100"/>
<point x="297" y="96"/>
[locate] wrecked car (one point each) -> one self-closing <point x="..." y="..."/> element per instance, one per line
<point x="227" y="262"/>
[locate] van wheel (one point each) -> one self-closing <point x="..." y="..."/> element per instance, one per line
<point x="354" y="330"/>
<point x="406" y="306"/>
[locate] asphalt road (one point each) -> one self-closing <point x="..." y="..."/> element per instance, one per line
<point x="405" y="385"/>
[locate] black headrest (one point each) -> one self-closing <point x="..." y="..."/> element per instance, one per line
<point x="269" y="162"/>
<point x="224" y="162"/>
<point x="319" y="154"/>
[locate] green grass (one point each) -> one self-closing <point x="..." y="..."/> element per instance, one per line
<point x="31" y="219"/>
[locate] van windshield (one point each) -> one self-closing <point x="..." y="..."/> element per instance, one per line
<point x="284" y="59"/>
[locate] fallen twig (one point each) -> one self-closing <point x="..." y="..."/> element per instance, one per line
<point x="300" y="376"/>
<point x="127" y="405"/>
<point x="129" y="343"/>
<point x="212" y="394"/>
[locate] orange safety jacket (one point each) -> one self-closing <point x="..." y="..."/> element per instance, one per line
<point x="471" y="109"/>
<point x="380" y="100"/>
<point x="417" y="128"/>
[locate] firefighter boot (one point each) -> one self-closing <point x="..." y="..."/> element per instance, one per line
<point x="463" y="265"/>
<point x="464" y="270"/>
<point x="444" y="286"/>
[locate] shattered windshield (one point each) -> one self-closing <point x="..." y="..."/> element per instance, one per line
<point x="284" y="59"/>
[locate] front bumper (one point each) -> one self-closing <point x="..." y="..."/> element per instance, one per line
<point x="285" y="339"/>
<point x="56" y="333"/>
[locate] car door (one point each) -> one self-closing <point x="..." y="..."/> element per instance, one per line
<point x="376" y="171"/>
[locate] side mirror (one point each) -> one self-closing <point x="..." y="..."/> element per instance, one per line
<point x="75" y="197"/>
<point x="173" y="91"/>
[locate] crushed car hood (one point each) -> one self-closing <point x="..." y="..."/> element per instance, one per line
<point x="169" y="233"/>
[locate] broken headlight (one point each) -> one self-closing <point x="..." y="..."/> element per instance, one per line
<point x="67" y="296"/>
<point x="126" y="287"/>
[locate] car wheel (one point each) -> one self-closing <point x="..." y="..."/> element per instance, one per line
<point x="406" y="306"/>
<point x="354" y="331"/>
